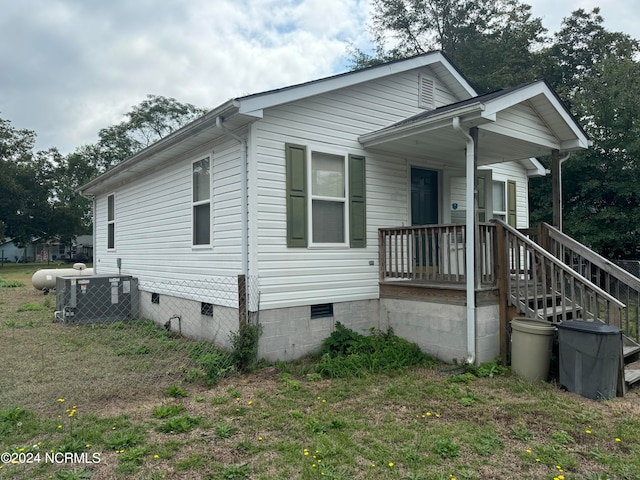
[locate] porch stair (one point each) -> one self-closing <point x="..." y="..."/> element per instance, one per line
<point x="550" y="286"/>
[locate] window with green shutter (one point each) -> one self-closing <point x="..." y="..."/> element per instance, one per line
<point x="321" y="203"/>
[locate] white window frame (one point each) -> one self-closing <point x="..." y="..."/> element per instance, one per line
<point x="111" y="223"/>
<point x="499" y="214"/>
<point x="344" y="200"/>
<point x="208" y="201"/>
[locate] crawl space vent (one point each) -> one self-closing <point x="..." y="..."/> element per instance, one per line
<point x="426" y="93"/>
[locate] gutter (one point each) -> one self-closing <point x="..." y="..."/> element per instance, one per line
<point x="244" y="211"/>
<point x="470" y="274"/>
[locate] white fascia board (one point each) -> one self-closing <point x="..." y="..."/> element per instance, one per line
<point x="526" y="93"/>
<point x="253" y="103"/>
<point x="534" y="167"/>
<point x="430" y="123"/>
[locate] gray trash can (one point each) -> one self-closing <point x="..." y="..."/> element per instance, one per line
<point x="531" y="347"/>
<point x="589" y="358"/>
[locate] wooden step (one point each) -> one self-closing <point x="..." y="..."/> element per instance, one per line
<point x="632" y="373"/>
<point x="629" y="350"/>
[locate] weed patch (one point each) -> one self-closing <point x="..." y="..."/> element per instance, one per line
<point x="347" y="353"/>
<point x="180" y="424"/>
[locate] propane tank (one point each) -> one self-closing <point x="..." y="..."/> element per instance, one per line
<point x="45" y="279"/>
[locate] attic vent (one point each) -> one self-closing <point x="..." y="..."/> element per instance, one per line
<point x="426" y="93"/>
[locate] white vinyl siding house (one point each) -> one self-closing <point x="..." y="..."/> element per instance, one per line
<point x="302" y="179"/>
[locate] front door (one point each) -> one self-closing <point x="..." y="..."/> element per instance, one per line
<point x="424" y="196"/>
<point x="424" y="211"/>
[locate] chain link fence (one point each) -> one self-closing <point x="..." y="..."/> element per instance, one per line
<point x="115" y="338"/>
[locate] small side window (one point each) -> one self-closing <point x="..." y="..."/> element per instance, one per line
<point x="111" y="222"/>
<point x="155" y="298"/>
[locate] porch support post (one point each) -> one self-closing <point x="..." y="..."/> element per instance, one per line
<point x="470" y="222"/>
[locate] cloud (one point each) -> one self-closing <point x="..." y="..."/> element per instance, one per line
<point x="71" y="68"/>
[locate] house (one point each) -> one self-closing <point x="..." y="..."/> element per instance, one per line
<point x="348" y="198"/>
<point x="53" y="250"/>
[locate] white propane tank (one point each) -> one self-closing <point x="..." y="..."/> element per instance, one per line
<point x="45" y="279"/>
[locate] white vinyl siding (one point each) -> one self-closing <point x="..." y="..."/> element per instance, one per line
<point x="155" y="240"/>
<point x="333" y="121"/>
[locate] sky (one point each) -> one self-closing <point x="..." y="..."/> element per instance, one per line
<point x="71" y="67"/>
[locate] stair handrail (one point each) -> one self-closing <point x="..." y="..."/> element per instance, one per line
<point x="556" y="261"/>
<point x="618" y="272"/>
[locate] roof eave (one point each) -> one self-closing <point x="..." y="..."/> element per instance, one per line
<point x="432" y="122"/>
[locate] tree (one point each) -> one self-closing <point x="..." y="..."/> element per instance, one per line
<point x="581" y="44"/>
<point x="493" y="41"/>
<point x="596" y="73"/>
<point x="151" y="120"/>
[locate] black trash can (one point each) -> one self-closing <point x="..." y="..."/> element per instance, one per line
<point x="590" y="356"/>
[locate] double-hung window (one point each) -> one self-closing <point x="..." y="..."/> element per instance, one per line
<point x="328" y="200"/>
<point x="325" y="198"/>
<point x="499" y="201"/>
<point x="111" y="222"/>
<point x="201" y="202"/>
<point x="505" y="201"/>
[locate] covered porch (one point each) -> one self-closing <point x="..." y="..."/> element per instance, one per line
<point x="441" y="273"/>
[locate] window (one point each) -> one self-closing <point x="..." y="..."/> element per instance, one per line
<point x="504" y="202"/>
<point x="155" y="298"/>
<point x="499" y="201"/>
<point x="325" y="198"/>
<point x="111" y="222"/>
<point x="202" y="202"/>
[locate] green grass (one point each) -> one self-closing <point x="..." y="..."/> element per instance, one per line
<point x="409" y="419"/>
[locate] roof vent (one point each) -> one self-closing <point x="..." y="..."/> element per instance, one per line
<point x="426" y="93"/>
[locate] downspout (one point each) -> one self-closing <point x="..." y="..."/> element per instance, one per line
<point x="244" y="212"/>
<point x="470" y="273"/>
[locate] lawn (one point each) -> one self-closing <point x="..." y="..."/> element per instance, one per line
<point x="130" y="401"/>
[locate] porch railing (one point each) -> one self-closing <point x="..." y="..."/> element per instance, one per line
<point x="609" y="277"/>
<point x="541" y="285"/>
<point x="435" y="253"/>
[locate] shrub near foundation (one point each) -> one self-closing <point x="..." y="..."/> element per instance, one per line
<point x="347" y="353"/>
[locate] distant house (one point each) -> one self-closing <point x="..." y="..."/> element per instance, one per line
<point x="48" y="251"/>
<point x="349" y="198"/>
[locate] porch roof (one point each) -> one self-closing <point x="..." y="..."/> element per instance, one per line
<point x="518" y="123"/>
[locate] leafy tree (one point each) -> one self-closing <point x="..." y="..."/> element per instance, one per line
<point x="597" y="74"/>
<point x="493" y="41"/>
<point x="602" y="198"/>
<point x="146" y="123"/>
<point x="580" y="45"/>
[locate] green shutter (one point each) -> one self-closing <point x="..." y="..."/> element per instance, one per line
<point x="357" y="203"/>
<point x="296" y="156"/>
<point x="482" y="199"/>
<point x="512" y="217"/>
